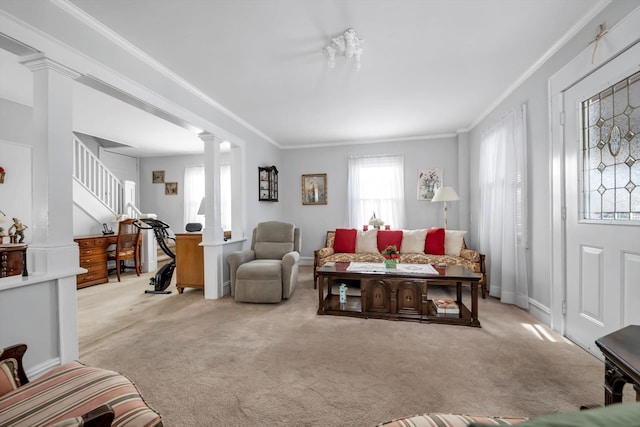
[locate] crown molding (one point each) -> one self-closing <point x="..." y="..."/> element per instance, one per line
<point x="371" y="141"/>
<point x="572" y="32"/>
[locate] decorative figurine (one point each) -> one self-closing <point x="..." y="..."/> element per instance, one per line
<point x="2" y="235"/>
<point x="19" y="228"/>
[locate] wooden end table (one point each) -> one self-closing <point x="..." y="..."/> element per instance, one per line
<point x="397" y="295"/>
<point x="621" y="350"/>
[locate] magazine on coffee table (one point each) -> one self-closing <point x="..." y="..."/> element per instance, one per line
<point x="379" y="267"/>
<point x="446" y="306"/>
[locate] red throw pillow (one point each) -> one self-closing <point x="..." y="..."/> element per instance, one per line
<point x="345" y="240"/>
<point x="434" y="243"/>
<point x="389" y="238"/>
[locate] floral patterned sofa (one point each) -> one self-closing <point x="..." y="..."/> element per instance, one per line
<point x="421" y="246"/>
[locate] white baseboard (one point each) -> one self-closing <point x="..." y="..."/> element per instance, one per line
<point x="42" y="368"/>
<point x="540" y="312"/>
<point x="306" y="261"/>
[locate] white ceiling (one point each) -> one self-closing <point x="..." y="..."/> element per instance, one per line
<point x="429" y="67"/>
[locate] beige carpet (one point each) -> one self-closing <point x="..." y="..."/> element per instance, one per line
<point x="212" y="363"/>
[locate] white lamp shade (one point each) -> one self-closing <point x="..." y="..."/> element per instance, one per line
<point x="445" y="194"/>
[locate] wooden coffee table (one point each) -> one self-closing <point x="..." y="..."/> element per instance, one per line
<point x="396" y="295"/>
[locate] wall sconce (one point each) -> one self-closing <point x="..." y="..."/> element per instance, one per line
<point x="347" y="45"/>
<point x="445" y="194"/>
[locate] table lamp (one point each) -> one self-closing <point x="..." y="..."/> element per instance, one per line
<point x="445" y="194"/>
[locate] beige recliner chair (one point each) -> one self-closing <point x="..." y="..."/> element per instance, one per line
<point x="268" y="272"/>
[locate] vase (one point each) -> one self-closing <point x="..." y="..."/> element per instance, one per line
<point x="391" y="263"/>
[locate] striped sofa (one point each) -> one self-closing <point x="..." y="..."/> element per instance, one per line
<point x="69" y="395"/>
<point x="625" y="414"/>
<point x="450" y="420"/>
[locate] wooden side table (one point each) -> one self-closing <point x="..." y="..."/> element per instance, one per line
<point x="621" y="350"/>
<point x="189" y="261"/>
<point x="13" y="259"/>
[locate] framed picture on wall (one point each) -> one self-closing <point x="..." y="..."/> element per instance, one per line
<point x="314" y="189"/>
<point x="157" y="177"/>
<point x="429" y="180"/>
<point x="171" y="188"/>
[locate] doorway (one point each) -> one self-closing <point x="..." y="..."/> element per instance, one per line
<point x="596" y="165"/>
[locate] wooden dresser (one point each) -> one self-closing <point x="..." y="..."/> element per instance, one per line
<point x="11" y="259"/>
<point x="93" y="257"/>
<point x="189" y="261"/>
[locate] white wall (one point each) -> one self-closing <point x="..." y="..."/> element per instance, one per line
<point x="169" y="208"/>
<point x="15" y="158"/>
<point x="534" y="93"/>
<point x="316" y="220"/>
<point x="28" y="313"/>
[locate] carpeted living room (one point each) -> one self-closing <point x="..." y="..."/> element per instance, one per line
<point x="389" y="213"/>
<point x="201" y="362"/>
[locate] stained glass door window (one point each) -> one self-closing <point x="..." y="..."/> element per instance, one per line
<point x="611" y="152"/>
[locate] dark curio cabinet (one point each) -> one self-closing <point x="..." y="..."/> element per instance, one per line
<point x="268" y="184"/>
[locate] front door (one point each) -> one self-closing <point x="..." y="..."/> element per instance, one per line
<point x="602" y="199"/>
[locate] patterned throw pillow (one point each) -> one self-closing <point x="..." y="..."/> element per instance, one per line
<point x="9" y="380"/>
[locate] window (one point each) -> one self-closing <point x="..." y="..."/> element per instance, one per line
<point x="502" y="219"/>
<point x="611" y="153"/>
<point x="376" y="184"/>
<point x="194" y="193"/>
<point x="225" y="196"/>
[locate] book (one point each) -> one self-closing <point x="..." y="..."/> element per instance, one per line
<point x="446" y="306"/>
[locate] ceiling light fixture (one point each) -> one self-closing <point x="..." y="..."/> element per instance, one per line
<point x="347" y="45"/>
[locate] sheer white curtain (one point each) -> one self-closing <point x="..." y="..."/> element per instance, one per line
<point x="225" y="196"/>
<point x="193" y="193"/>
<point x="503" y="214"/>
<point x="376" y="184"/>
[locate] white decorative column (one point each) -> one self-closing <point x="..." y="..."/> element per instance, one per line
<point x="212" y="235"/>
<point x="53" y="253"/>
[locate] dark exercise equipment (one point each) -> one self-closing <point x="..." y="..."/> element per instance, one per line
<point x="162" y="279"/>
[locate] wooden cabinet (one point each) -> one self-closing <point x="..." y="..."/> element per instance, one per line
<point x="189" y="261"/>
<point x="268" y="184"/>
<point x="393" y="298"/>
<point x="12" y="259"/>
<point x="93" y="257"/>
<point x="409" y="298"/>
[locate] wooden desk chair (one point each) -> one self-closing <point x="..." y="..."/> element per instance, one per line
<point x="127" y="246"/>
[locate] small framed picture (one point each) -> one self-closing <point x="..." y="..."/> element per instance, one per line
<point x="171" y="188"/>
<point x="157" y="177"/>
<point x="314" y="189"/>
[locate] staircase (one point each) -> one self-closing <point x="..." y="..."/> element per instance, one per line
<point x="97" y="191"/>
<point x="99" y="197"/>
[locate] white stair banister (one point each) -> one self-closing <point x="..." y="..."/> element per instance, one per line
<point x="94" y="175"/>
